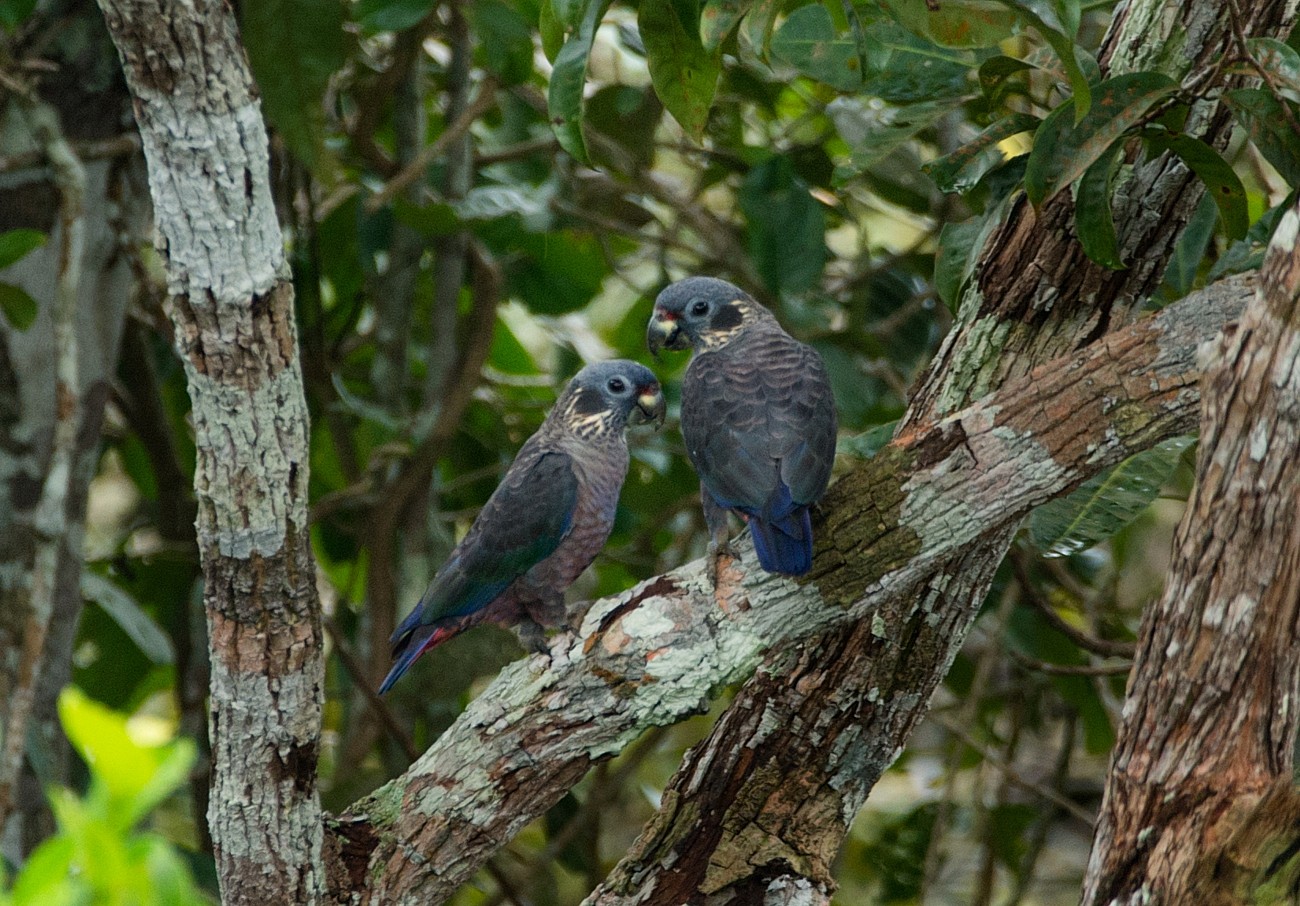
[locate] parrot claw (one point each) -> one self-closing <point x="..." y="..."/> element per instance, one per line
<point x="718" y="550"/>
<point x="533" y="637"/>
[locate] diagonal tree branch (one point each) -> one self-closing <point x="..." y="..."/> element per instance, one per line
<point x="657" y="653"/>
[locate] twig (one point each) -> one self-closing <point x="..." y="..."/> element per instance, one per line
<point x="1088" y="642"/>
<point x="91" y="149"/>
<point x="377" y="705"/>
<point x="1239" y="34"/>
<point x="483" y="101"/>
<point x="1038" y="666"/>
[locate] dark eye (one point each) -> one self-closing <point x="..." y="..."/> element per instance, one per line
<point x="699" y="308"/>
<point x="616" y="385"/>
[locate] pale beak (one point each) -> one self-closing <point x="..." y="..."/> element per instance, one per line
<point x="650" y="407"/>
<point x="663" y="332"/>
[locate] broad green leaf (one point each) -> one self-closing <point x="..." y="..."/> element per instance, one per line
<point x="1262" y="115"/>
<point x="1281" y="60"/>
<point x="564" y="96"/>
<point x="294" y="46"/>
<point x="627" y="118"/>
<point x="129" y="615"/>
<point x="1058" y="32"/>
<point x="1092" y="216"/>
<point x="1189" y="251"/>
<point x="787" y="226"/>
<point x="1065" y="149"/>
<point x="390" y="15"/>
<point x="550" y="29"/>
<point x="874" y="131"/>
<point x="995" y="72"/>
<point x="870" y="442"/>
<point x="808" y="41"/>
<point x="717" y="20"/>
<point x="963" y="168"/>
<point x="13" y="12"/>
<point x="1248" y="254"/>
<point x="15" y="244"/>
<point x="760" y="23"/>
<point x="956" y="23"/>
<point x="903" y="69"/>
<point x="1221" y="183"/>
<point x="1101" y="507"/>
<point x="955" y="259"/>
<point x="684" y="74"/>
<point x="19" y="308"/>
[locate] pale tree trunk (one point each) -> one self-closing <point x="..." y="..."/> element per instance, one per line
<point x="1200" y="804"/>
<point x="231" y="302"/>
<point x="67" y="174"/>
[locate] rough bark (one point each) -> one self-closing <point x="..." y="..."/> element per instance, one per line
<point x="231" y="302"/>
<point x="657" y="653"/>
<point x="1200" y="803"/>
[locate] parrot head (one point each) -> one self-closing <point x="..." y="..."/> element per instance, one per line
<point x="612" y="395"/>
<point x="700" y="312"/>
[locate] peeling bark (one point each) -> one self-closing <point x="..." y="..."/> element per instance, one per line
<point x="1200" y="803"/>
<point x="658" y="653"/>
<point x="231" y="302"/>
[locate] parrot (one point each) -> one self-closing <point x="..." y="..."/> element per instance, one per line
<point x="758" y="417"/>
<point x="545" y="522"/>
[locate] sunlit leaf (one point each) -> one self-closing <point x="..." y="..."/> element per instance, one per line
<point x="1092" y="215"/>
<point x="1064" y="150"/>
<point x="1099" y="508"/>
<point x="963" y="168"/>
<point x="685" y="75"/>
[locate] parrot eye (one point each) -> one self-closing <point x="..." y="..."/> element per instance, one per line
<point x="700" y="308"/>
<point x="616" y="385"/>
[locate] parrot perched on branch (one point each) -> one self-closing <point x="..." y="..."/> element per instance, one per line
<point x="545" y="522"/>
<point x="758" y="417"/>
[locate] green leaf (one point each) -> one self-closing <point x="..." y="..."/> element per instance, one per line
<point x="874" y="131"/>
<point x="129" y="615"/>
<point x="1064" y="149"/>
<point x="808" y="41"/>
<point x="294" y="46"/>
<point x="903" y="69"/>
<point x="787" y="226"/>
<point x="995" y="73"/>
<point x="1059" y="34"/>
<point x="390" y="15"/>
<point x="1248" y="254"/>
<point x="1189" y="251"/>
<point x="1281" y="60"/>
<point x="564" y="96"/>
<point x="956" y="23"/>
<point x="963" y="168"/>
<point x="717" y="20"/>
<point x="1101" y="507"/>
<point x="956" y="258"/>
<point x="506" y="40"/>
<point x="15" y="244"/>
<point x="1262" y="115"/>
<point x="761" y="21"/>
<point x="13" y="12"/>
<point x="1092" y="216"/>
<point x="870" y="442"/>
<point x="19" y="308"/>
<point x="684" y="74"/>
<point x="1221" y="182"/>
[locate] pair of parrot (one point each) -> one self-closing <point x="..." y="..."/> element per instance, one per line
<point x="759" y="422"/>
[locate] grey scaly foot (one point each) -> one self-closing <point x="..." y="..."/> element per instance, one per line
<point x="533" y="637"/>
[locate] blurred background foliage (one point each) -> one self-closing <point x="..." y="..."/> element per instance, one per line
<point x="480" y="197"/>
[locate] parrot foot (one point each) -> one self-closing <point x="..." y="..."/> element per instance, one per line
<point x="713" y="566"/>
<point x="533" y="637"/>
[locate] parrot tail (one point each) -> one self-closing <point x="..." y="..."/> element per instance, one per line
<point x="784" y="545"/>
<point x="411" y="645"/>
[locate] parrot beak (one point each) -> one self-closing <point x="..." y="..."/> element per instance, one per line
<point x="650" y="407"/>
<point x="664" y="332"/>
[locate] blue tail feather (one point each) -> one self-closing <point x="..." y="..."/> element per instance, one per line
<point x="784" y="545"/>
<point x="416" y="642"/>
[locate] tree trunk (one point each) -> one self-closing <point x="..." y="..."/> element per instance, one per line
<point x="231" y="301"/>
<point x="1199" y="803"/>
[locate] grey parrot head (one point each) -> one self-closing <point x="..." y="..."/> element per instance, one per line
<point x="611" y="395"/>
<point x="700" y="312"/>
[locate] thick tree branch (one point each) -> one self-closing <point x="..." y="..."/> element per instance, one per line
<point x="1200" y="803"/>
<point x="658" y="652"/>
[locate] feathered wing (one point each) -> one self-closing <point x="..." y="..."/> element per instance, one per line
<point x="522" y="523"/>
<point x="759" y="421"/>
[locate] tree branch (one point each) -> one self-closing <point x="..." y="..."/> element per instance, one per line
<point x="658" y="652"/>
